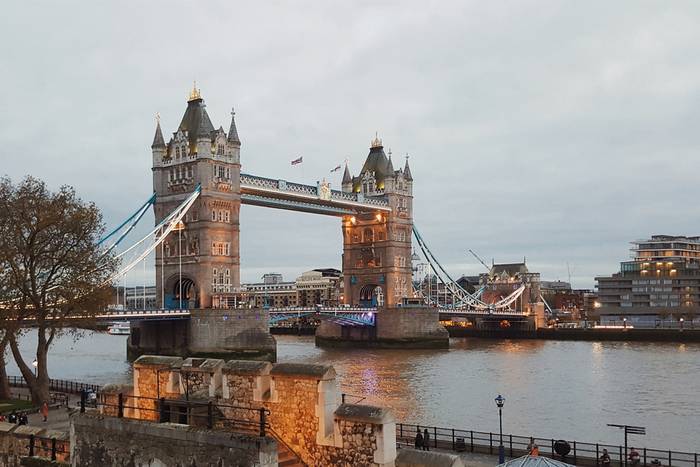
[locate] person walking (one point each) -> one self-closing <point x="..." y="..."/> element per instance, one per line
<point x="605" y="458"/>
<point x="426" y="440"/>
<point x="419" y="439"/>
<point x="532" y="448"/>
<point x="45" y="410"/>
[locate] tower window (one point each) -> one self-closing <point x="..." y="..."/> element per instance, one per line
<point x="213" y="215"/>
<point x="220" y="150"/>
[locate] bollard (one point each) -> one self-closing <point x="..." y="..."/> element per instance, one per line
<point x="120" y="405"/>
<point x="31" y="445"/>
<point x="53" y="449"/>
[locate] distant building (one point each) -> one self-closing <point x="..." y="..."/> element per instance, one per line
<point x="660" y="287"/>
<point x="316" y="287"/>
<point x="565" y="301"/>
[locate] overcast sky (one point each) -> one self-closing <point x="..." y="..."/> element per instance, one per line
<point x="555" y="130"/>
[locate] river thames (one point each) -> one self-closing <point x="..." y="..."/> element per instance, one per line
<point x="553" y="389"/>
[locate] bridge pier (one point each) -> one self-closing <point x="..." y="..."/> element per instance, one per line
<point x="405" y="327"/>
<point x="208" y="333"/>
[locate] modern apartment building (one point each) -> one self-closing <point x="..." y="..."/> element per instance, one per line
<point x="659" y="287"/>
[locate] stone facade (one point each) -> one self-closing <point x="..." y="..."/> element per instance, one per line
<point x="107" y="441"/>
<point x="301" y="403"/>
<point x="377" y="246"/>
<point x="14" y="445"/>
<point x="201" y="258"/>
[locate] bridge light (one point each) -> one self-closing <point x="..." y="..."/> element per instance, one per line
<point x="353" y="220"/>
<point x="379" y="217"/>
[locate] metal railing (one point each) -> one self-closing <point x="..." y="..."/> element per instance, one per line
<point x="58" y="385"/>
<point x="581" y="453"/>
<point x="49" y="448"/>
<point x="249" y="420"/>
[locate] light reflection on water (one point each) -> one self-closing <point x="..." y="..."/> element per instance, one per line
<point x="552" y="388"/>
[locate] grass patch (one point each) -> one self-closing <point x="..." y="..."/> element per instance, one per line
<point x="8" y="405"/>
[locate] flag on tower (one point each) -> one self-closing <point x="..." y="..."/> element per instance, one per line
<point x="336" y="169"/>
<point x="298" y="161"/>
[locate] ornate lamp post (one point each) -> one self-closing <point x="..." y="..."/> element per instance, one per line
<point x="35" y="364"/>
<point x="500" y="400"/>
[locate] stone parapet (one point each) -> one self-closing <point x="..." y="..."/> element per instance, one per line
<point x="98" y="440"/>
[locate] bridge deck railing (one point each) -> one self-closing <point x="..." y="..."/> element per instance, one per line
<point x="581" y="453"/>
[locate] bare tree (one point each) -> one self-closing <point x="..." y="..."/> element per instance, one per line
<point x="54" y="270"/>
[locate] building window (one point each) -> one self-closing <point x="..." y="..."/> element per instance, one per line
<point x="177" y="153"/>
<point x="227" y="216"/>
<point x="220" y="149"/>
<point x="220" y="248"/>
<point x="189" y="172"/>
<point x="221" y="216"/>
<point x="368" y="235"/>
<point x="213" y="215"/>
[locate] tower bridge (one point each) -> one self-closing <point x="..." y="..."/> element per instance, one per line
<point x="198" y="192"/>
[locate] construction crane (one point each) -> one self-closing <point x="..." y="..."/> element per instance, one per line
<point x="480" y="260"/>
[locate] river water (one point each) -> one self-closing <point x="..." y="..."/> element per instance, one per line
<point x="553" y="389"/>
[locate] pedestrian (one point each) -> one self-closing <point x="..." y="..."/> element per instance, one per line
<point x="13" y="417"/>
<point x="532" y="448"/>
<point x="605" y="458"/>
<point x="45" y="411"/>
<point x="426" y="440"/>
<point x="419" y="439"/>
<point x="22" y="418"/>
<point x="633" y="456"/>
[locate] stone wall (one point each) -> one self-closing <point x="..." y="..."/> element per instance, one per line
<point x="109" y="441"/>
<point x="402" y="327"/>
<point x="14" y="445"/>
<point x="303" y="403"/>
<point x="236" y="333"/>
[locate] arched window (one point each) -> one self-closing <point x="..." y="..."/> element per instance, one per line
<point x="220" y="150"/>
<point x="368" y="234"/>
<point x="177" y="153"/>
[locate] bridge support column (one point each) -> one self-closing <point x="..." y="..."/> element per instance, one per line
<point x="408" y="327"/>
<point x="210" y="333"/>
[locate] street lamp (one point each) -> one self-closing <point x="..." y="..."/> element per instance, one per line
<point x="501" y="451"/>
<point x="681" y="321"/>
<point x="35" y="364"/>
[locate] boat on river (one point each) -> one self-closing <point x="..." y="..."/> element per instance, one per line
<point x="120" y="329"/>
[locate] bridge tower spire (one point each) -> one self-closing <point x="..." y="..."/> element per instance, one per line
<point x="200" y="263"/>
<point x="376" y="246"/>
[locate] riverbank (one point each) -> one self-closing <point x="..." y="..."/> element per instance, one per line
<point x="595" y="335"/>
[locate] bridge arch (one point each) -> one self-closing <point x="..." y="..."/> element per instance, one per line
<point x="371" y="295"/>
<point x="184" y="285"/>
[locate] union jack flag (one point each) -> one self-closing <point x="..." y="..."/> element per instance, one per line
<point x="336" y="169"/>
<point x="298" y="161"/>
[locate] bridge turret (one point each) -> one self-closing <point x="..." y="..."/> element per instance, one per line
<point x="347" y="180"/>
<point x="158" y="147"/>
<point x="234" y="142"/>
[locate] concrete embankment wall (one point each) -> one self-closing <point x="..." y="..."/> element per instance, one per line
<point x="99" y="440"/>
<point x="641" y="335"/>
<point x="403" y="327"/>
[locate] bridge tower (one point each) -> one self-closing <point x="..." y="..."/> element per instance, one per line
<point x="199" y="260"/>
<point x="376" y="246"/>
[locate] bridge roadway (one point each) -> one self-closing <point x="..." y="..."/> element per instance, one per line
<point x="362" y="316"/>
<point x="321" y="199"/>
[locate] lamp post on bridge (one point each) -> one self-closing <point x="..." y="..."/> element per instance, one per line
<point x="500" y="400"/>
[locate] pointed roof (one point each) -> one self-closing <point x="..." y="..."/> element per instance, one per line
<point x="407" y="171"/>
<point x="196" y="121"/>
<point x="347" y="178"/>
<point x="233" y="131"/>
<point x="389" y="166"/>
<point x="158" y="141"/>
